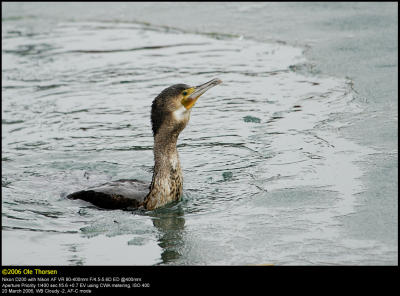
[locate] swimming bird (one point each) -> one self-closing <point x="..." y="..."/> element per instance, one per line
<point x="170" y="113"/>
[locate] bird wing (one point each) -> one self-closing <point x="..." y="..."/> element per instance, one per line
<point x="118" y="194"/>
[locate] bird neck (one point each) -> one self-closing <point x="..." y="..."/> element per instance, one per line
<point x="167" y="181"/>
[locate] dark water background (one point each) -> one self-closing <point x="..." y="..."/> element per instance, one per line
<point x="292" y="160"/>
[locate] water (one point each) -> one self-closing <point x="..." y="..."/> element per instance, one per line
<point x="269" y="176"/>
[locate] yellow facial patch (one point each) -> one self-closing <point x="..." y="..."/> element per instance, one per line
<point x="186" y="100"/>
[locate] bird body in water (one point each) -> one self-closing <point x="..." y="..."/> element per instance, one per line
<point x="170" y="113"/>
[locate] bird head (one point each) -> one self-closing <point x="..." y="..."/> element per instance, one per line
<point x="171" y="108"/>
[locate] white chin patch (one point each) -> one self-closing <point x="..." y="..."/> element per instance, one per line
<point x="181" y="114"/>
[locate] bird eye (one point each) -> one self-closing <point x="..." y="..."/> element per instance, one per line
<point x="184" y="93"/>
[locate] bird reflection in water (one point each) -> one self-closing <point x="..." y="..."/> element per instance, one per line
<point x="170" y="223"/>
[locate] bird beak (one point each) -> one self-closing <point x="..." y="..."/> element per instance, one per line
<point x="195" y="92"/>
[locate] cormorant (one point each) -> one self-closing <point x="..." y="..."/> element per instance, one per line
<point x="170" y="112"/>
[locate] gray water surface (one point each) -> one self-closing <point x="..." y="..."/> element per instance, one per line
<point x="271" y="175"/>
